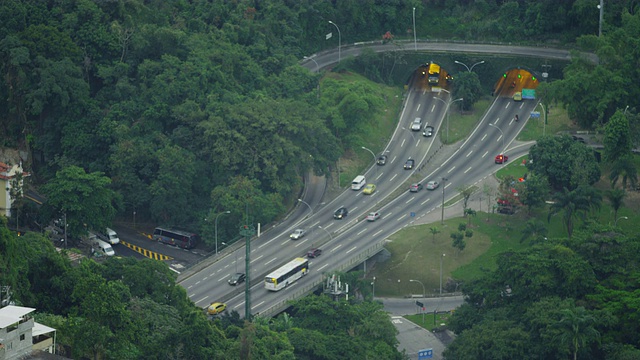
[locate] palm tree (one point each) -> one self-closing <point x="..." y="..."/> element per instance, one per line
<point x="571" y="204"/>
<point x="616" y="198"/>
<point x="577" y="329"/>
<point x="625" y="168"/>
<point x="434" y="231"/>
<point x="535" y="229"/>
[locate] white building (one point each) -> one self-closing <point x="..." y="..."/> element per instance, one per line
<point x="20" y="334"/>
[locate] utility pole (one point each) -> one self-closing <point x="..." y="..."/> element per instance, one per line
<point x="247" y="231"/>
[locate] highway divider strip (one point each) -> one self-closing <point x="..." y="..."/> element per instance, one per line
<point x="146" y="253"/>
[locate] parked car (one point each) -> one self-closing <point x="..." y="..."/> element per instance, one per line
<point x="432" y="185"/>
<point x="373" y="216"/>
<point x="416" y="125"/>
<point x="297" y="234"/>
<point x="428" y="131"/>
<point x="415" y="187"/>
<point x="369" y="189"/>
<point x="314" y="253"/>
<point x="382" y="159"/>
<point x="237" y="278"/>
<point x="500" y="159"/>
<point x="216" y="308"/>
<point x="409" y="164"/>
<point x="341" y="213"/>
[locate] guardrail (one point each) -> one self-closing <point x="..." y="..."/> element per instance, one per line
<point x="363" y="256"/>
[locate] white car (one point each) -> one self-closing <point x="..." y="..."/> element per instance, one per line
<point x="416" y="125"/>
<point x="373" y="216"/>
<point x="297" y="234"/>
<point x="432" y="185"/>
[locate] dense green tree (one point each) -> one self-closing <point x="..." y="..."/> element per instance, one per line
<point x="572" y="205"/>
<point x="534" y="192"/>
<point x="564" y="162"/>
<point x="616" y="200"/>
<point x="85" y="198"/>
<point x="617" y="137"/>
<point x="491" y="339"/>
<point x="624" y="168"/>
<point x="468" y="87"/>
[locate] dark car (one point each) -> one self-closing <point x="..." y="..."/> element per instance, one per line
<point x="428" y="131"/>
<point x="237" y="278"/>
<point x="382" y="159"/>
<point x="314" y="253"/>
<point x="409" y="164"/>
<point x="578" y="138"/>
<point x="340" y="213"/>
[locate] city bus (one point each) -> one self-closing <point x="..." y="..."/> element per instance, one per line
<point x="434" y="73"/>
<point x="287" y="274"/>
<point x="183" y="239"/>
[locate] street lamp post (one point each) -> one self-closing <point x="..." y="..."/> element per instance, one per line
<point x="544" y="119"/>
<point x="415" y="44"/>
<point x="410" y="133"/>
<point x="327" y="231"/>
<point x="469" y="69"/>
<point x="373" y="288"/>
<point x="235" y="260"/>
<point x="444" y="182"/>
<point x="601" y="7"/>
<point x="306" y="203"/>
<point x="216" y="227"/>
<point x="339" y="40"/>
<point x="424" y="295"/>
<point x="447" y="106"/>
<point x="374" y="159"/>
<point x="314" y="60"/>
<point x="502" y="137"/>
<point x="621" y="217"/>
<point x="441" y="257"/>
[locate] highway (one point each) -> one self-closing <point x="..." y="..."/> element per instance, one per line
<point x="348" y="242"/>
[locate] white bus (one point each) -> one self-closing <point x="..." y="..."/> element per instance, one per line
<point x="287" y="274"/>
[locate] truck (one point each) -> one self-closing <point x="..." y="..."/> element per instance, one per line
<point x="434" y="73"/>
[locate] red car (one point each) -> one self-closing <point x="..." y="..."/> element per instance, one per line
<point x="501" y="159"/>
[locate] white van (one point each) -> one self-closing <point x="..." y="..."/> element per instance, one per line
<point x="358" y="182"/>
<point x="112" y="237"/>
<point x="102" y="247"/>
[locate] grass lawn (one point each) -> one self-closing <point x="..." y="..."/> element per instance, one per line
<point x="416" y="253"/>
<point x="427" y="320"/>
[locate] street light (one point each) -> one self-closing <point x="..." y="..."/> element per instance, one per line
<point x="441" y="257"/>
<point x="447" y="105"/>
<point x="216" y="227"/>
<point x="544" y="120"/>
<point x="374" y="159"/>
<point x="621" y="217"/>
<point x="424" y="292"/>
<point x="306" y="203"/>
<point x="373" y="288"/>
<point x="411" y="133"/>
<point x="327" y="231"/>
<point x="339" y="40"/>
<point x="502" y="137"/>
<point x="415" y="44"/>
<point x="314" y="60"/>
<point x="469" y="69"/>
<point x="444" y="181"/>
<point x="601" y="7"/>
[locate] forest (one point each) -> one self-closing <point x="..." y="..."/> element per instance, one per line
<point x="179" y="109"/>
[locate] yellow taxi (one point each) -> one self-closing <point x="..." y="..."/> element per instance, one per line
<point x="517" y="96"/>
<point x="369" y="189"/>
<point x="216" y="308"/>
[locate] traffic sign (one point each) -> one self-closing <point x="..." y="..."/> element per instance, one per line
<point x="425" y="354"/>
<point x="419" y="304"/>
<point x="535" y="114"/>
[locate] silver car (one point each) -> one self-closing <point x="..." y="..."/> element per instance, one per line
<point x="416" y="125"/>
<point x="297" y="234"/>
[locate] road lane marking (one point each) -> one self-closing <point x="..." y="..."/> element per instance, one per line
<point x="485" y="154"/>
<point x="408" y="201"/>
<point x="402" y="143"/>
<point x="376" y="179"/>
<point x="418" y="109"/>
<point x="418" y="142"/>
<point x="450" y="170"/>
<point x="255" y="306"/>
<point x="203" y="299"/>
<point x="267" y="243"/>
<point x="498" y="139"/>
<point x="284" y="242"/>
<point x="256" y="259"/>
<point x="495" y="122"/>
<point x="224" y="277"/>
<point x="336" y="248"/>
<point x="393" y="177"/>
<point x="426" y="201"/>
<point x="485" y="135"/>
<point x="358" y="234"/>
<point x="446" y="186"/>
<point x="466" y="171"/>
<point x="394" y="159"/>
<point x="314" y="224"/>
<point x="270" y="261"/>
<point x="328" y="226"/>
<point x="376" y="234"/>
<point x="350" y="250"/>
<point x="400" y="218"/>
<point x="470" y="152"/>
<point x="433" y="108"/>
<point x="352" y="210"/>
<point x="322" y="267"/>
<point x="301" y="242"/>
